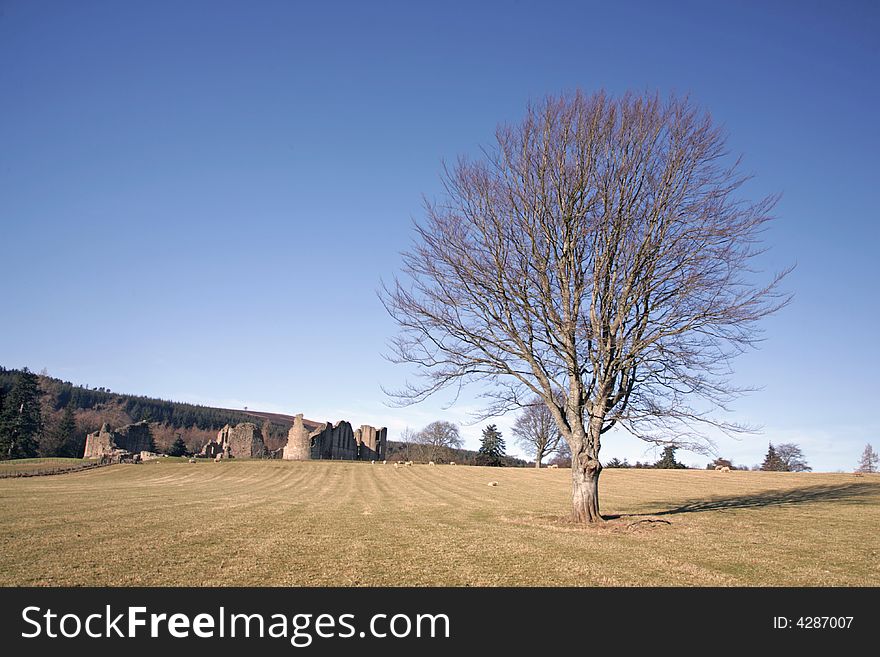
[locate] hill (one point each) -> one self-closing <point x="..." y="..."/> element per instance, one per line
<point x="92" y="407"/>
<point x="278" y="418"/>
<point x="196" y="424"/>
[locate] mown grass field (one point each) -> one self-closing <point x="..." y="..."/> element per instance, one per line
<point x="50" y="464"/>
<point x="353" y="524"/>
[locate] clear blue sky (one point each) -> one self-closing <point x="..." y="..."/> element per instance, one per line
<point x="199" y="199"/>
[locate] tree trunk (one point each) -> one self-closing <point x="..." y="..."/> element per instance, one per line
<point x="538" y="462"/>
<point x="585" y="466"/>
<point x="585" y="489"/>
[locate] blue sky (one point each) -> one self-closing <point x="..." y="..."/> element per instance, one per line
<point x="198" y="200"/>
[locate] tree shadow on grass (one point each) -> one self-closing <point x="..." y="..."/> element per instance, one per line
<point x="853" y="493"/>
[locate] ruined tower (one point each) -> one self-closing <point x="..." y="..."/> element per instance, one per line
<point x="371" y="442"/>
<point x="299" y="442"/>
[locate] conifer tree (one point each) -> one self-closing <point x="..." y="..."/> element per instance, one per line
<point x="178" y="448"/>
<point x="59" y="434"/>
<point x="772" y="462"/>
<point x="667" y="461"/>
<point x="868" y="462"/>
<point x="66" y="433"/>
<point x="492" y="447"/>
<point x="22" y="421"/>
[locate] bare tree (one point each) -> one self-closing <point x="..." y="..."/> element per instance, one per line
<point x="599" y="256"/>
<point x="536" y="431"/>
<point x="791" y="458"/>
<point x="408" y="437"/>
<point x="868" y="462"/>
<point x="563" y="456"/>
<point x="438" y="436"/>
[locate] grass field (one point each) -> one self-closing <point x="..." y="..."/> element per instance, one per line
<point x="42" y="465"/>
<point x="342" y="523"/>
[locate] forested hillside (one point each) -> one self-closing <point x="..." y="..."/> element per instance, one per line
<point x="44" y="416"/>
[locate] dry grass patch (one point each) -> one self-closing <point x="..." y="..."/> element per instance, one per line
<point x="353" y="524"/>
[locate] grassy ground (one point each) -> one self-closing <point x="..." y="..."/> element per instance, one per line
<point x="337" y="523"/>
<point x="43" y="465"/>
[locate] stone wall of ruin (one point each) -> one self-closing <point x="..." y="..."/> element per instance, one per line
<point x="99" y="443"/>
<point x="371" y="442"/>
<point x="133" y="438"/>
<point x="334" y="442"/>
<point x="243" y="441"/>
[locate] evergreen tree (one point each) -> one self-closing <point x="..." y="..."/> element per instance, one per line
<point x="60" y="431"/>
<point x="22" y="421"/>
<point x="772" y="462"/>
<point x="178" y="448"/>
<point x="869" y="460"/>
<point x="492" y="447"/>
<point x="667" y="461"/>
<point x="66" y="434"/>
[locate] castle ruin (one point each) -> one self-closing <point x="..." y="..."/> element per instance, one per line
<point x="243" y="441"/>
<point x="334" y="441"/>
<point x="306" y="440"/>
<point x="127" y="440"/>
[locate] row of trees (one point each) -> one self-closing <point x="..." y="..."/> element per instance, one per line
<point x="785" y="457"/>
<point x="534" y="431"/>
<point x="666" y="462"/>
<point x="538" y="435"/>
<point x="441" y="442"/>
